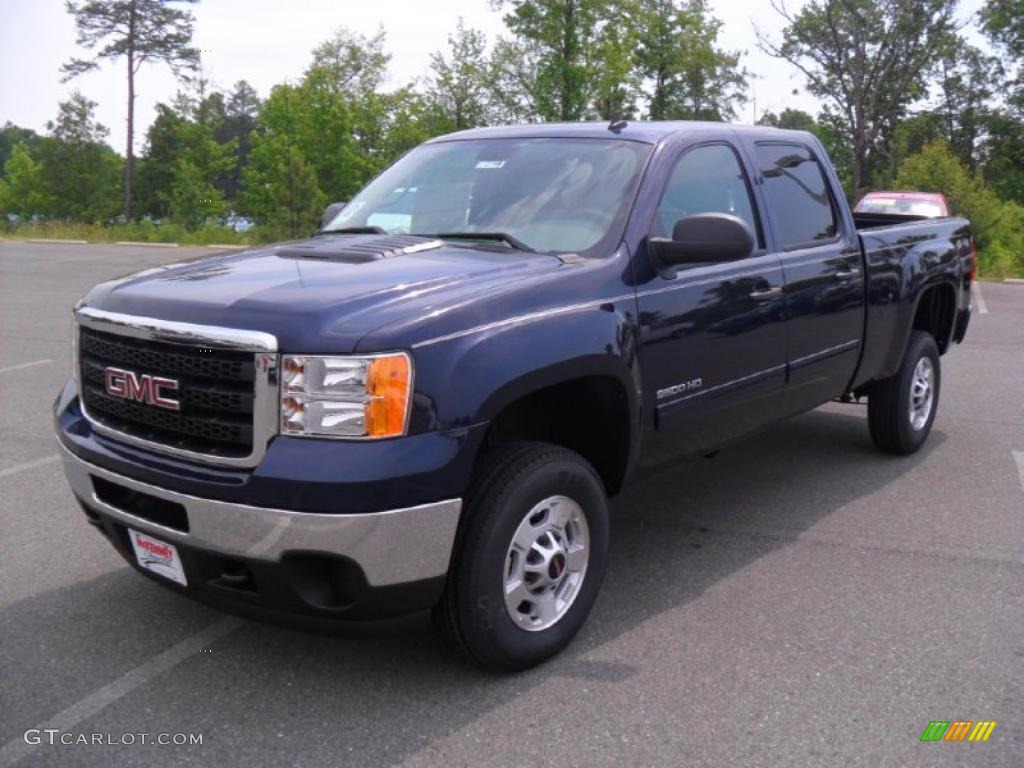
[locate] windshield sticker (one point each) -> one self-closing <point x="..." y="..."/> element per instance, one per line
<point x="490" y="164"/>
<point x="349" y="211"/>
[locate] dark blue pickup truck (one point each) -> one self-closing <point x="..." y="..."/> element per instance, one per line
<point x="427" y="404"/>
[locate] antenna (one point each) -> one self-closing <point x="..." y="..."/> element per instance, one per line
<point x="616" y="125"/>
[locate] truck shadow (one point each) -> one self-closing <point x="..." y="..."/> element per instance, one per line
<point x="674" y="535"/>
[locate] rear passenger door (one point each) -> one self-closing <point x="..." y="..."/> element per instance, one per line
<point x="821" y="260"/>
<point x="713" y="334"/>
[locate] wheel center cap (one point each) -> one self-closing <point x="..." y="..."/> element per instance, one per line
<point x="557" y="566"/>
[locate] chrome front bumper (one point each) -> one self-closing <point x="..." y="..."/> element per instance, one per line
<point x="392" y="547"/>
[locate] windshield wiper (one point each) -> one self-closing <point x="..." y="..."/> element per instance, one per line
<point x="498" y="237"/>
<point x="352" y="231"/>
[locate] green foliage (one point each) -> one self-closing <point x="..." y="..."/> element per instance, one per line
<point x="691" y="78"/>
<point x="906" y="100"/>
<point x="81" y="173"/>
<point x="351" y="64"/>
<point x="194" y="197"/>
<point x="868" y="60"/>
<point x="281" y="191"/>
<point x="22" y="191"/>
<point x="1003" y="156"/>
<point x="11" y="135"/>
<point x="459" y="87"/>
<point x="1003" y="22"/>
<point x="142" y="231"/>
<point x="240" y="112"/>
<point x="998" y="225"/>
<point x="582" y="53"/>
<point x="164" y="144"/>
<point x="790" y="119"/>
<point x="141" y="31"/>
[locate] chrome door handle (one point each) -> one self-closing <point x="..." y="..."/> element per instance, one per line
<point x="766" y="294"/>
<point x="847" y="274"/>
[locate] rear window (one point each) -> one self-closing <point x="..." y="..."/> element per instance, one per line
<point x="799" y="200"/>
<point x="880" y="204"/>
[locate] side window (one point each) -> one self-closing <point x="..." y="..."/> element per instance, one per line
<point x="706" y="179"/>
<point x="797" y="195"/>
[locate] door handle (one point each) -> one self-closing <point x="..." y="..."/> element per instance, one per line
<point x="847" y="274"/>
<point x="767" y="294"/>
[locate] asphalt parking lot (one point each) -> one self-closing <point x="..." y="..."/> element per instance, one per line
<point x="799" y="600"/>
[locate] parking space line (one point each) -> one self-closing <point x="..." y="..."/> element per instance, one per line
<point x="24" y="365"/>
<point x="29" y="465"/>
<point x="66" y="719"/>
<point x="978" y="298"/>
<point x="1019" y="457"/>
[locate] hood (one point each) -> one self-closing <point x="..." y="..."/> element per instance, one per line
<point x="324" y="294"/>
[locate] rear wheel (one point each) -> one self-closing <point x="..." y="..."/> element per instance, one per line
<point x="901" y="409"/>
<point x="530" y="557"/>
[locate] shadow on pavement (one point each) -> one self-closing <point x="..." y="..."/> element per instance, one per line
<point x="267" y="694"/>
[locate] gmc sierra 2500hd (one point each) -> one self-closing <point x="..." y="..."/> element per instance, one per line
<point x="427" y="404"/>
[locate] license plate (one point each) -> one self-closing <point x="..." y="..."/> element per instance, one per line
<point x="158" y="556"/>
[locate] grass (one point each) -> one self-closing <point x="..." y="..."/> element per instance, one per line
<point x="137" y="231"/>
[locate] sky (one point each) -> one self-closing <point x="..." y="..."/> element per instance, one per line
<point x="269" y="41"/>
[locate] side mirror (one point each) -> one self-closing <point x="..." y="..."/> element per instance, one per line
<point x="330" y="212"/>
<point x="703" y="238"/>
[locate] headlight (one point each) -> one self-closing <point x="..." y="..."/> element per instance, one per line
<point x="345" y="396"/>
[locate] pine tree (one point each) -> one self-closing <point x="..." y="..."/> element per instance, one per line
<point x="140" y="31"/>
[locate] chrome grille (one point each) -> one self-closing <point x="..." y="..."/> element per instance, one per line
<point x="227" y="394"/>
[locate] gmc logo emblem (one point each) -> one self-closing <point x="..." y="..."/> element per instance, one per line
<point x="128" y="385"/>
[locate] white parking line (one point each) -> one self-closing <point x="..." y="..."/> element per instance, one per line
<point x="1019" y="456"/>
<point x="24" y="365"/>
<point x="978" y="298"/>
<point x="66" y="719"/>
<point x="29" y="465"/>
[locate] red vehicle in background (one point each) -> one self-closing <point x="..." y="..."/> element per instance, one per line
<point x="930" y="205"/>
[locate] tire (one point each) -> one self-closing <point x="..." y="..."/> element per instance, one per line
<point x="894" y="427"/>
<point x="523" y="491"/>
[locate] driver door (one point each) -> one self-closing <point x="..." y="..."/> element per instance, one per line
<point x="713" y="334"/>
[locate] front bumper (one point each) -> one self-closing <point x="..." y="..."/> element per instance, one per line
<point x="283" y="561"/>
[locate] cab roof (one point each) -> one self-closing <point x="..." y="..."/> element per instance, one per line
<point x="642" y="131"/>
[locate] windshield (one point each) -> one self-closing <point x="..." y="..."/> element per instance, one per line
<point x="560" y="195"/>
<point x="910" y="206"/>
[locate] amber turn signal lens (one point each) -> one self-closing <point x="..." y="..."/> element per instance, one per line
<point x="388" y="382"/>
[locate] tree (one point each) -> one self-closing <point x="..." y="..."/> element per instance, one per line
<point x="12" y="135"/>
<point x="690" y="77"/>
<point x="514" y="78"/>
<point x="869" y="60"/>
<point x="351" y="63"/>
<point x="998" y="226"/>
<point x="281" y="192"/>
<point x="164" y="145"/>
<point x="458" y="88"/>
<point x="790" y="119"/>
<point x="194" y="196"/>
<point x="22" y="189"/>
<point x="1003" y="22"/>
<point x="1002" y="155"/>
<point x="967" y="81"/>
<point x="582" y="51"/>
<point x="81" y="172"/>
<point x="240" y="112"/>
<point x="141" y="31"/>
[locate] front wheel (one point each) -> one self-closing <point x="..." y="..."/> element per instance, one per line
<point x="901" y="409"/>
<point x="530" y="559"/>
